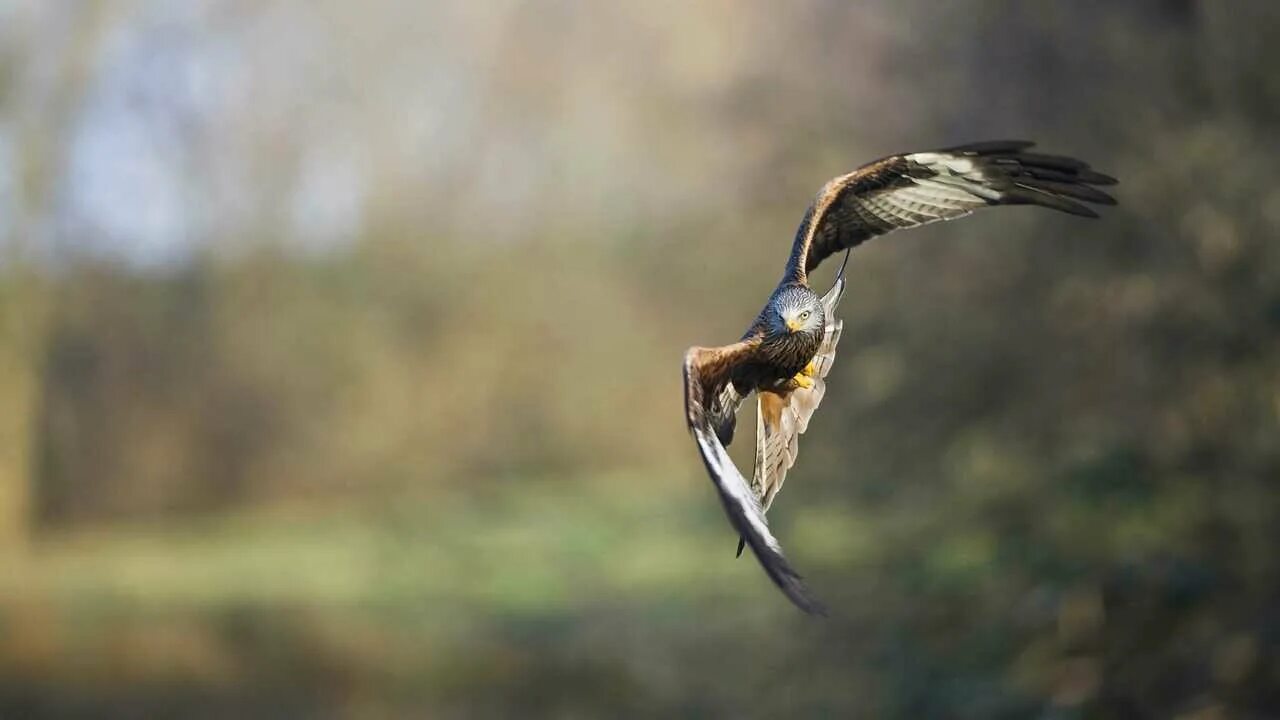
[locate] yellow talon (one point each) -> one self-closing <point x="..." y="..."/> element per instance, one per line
<point x="802" y="380"/>
<point x="810" y="370"/>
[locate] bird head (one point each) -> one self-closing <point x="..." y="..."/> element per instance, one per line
<point x="795" y="309"/>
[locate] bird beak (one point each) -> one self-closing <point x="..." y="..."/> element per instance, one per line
<point x="793" y="325"/>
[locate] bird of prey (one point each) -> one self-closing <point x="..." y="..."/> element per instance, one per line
<point x="788" y="350"/>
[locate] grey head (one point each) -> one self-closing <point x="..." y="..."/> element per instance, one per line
<point x="794" y="309"/>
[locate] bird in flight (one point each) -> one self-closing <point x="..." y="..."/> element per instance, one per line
<point x="788" y="350"/>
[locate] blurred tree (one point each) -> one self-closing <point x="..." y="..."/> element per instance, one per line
<point x="41" y="113"/>
<point x="397" y="423"/>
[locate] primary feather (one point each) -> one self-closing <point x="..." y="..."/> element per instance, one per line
<point x="782" y="418"/>
<point x="913" y="189"/>
<point x="900" y="191"/>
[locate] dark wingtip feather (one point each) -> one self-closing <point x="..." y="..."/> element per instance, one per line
<point x="742" y="543"/>
<point x="1057" y="162"/>
<point x="1087" y="177"/>
<point x="803" y="598"/>
<point x="1023" y="195"/>
<point x="1078" y="210"/>
<point x="792" y="585"/>
<point x="1078" y="191"/>
<point x="741" y="509"/>
<point x="786" y="578"/>
<point x="1095" y="178"/>
<point x="1052" y="181"/>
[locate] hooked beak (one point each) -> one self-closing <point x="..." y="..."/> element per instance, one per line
<point x="793" y="325"/>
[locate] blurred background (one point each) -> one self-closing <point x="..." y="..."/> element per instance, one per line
<point x="340" y="345"/>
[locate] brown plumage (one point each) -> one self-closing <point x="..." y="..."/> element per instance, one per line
<point x="788" y="350"/>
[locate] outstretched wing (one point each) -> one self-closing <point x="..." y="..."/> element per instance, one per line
<point x="706" y="374"/>
<point x="781" y="418"/>
<point x="915" y="189"/>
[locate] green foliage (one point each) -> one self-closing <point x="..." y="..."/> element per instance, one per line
<point x="440" y="470"/>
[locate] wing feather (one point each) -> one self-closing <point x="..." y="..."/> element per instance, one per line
<point x="781" y="419"/>
<point x="706" y="371"/>
<point x="913" y="189"/>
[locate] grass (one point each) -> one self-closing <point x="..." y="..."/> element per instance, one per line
<point x="536" y="547"/>
<point x="417" y="598"/>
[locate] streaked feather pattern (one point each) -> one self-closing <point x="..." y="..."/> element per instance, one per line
<point x="782" y="418"/>
<point x="706" y="372"/>
<point x="904" y="191"/>
<point x="900" y="191"/>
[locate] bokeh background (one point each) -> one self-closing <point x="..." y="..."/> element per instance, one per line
<point x="340" y="345"/>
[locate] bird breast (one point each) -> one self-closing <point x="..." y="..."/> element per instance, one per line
<point x="787" y="355"/>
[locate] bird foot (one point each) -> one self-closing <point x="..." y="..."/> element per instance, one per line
<point x="810" y="370"/>
<point x="802" y="380"/>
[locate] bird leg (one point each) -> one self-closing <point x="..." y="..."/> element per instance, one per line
<point x="804" y="378"/>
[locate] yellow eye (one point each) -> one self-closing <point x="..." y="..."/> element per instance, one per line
<point x="804" y="315"/>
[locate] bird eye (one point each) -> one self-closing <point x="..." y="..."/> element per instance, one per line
<point x="804" y="315"/>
